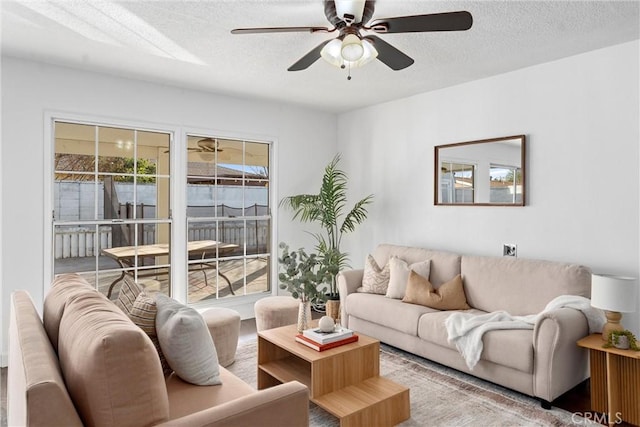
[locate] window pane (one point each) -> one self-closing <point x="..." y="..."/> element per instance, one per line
<point x="126" y="186"/>
<point x="153" y="153"/>
<point x="74" y="249"/>
<point x="457" y="182"/>
<point x="200" y="199"/>
<point x="257" y="159"/>
<point x="257" y="236"/>
<point x="116" y="149"/>
<point x="74" y="149"/>
<point x="256" y="197"/>
<point x="257" y="275"/>
<point x="230" y="153"/>
<point x="505" y="184"/>
<point x="228" y="187"/>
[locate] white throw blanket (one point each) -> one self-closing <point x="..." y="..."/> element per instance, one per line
<point x="466" y="329"/>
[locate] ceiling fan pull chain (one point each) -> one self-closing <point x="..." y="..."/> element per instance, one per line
<point x="349" y="75"/>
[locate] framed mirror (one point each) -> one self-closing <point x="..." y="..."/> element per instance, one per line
<point x="487" y="172"/>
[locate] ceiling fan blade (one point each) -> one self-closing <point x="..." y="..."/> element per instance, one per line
<point x="311" y="57"/>
<point x="450" y="21"/>
<point x="281" y="30"/>
<point x="389" y="55"/>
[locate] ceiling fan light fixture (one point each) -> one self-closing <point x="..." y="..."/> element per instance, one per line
<point x="352" y="49"/>
<point x="207" y="156"/>
<point x="370" y="53"/>
<point x="331" y="53"/>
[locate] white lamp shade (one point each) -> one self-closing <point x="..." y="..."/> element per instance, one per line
<point x="352" y="49"/>
<point x="332" y="53"/>
<point x="614" y="293"/>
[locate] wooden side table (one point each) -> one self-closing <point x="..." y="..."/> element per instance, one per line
<point x="615" y="375"/>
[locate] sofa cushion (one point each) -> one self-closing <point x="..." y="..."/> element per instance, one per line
<point x="399" y="275"/>
<point x="520" y="286"/>
<point x="375" y="279"/>
<point x="443" y="266"/>
<point x="186" y="399"/>
<point x="512" y="348"/>
<point x="110" y="366"/>
<point x="63" y="287"/>
<point x="186" y="342"/>
<point x="449" y="296"/>
<point x="388" y="312"/>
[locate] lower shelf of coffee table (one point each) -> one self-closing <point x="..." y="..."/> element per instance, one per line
<point x="375" y="401"/>
<point x="288" y="369"/>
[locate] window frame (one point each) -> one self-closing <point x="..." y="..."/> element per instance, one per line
<point x="271" y="144"/>
<point x="178" y="168"/>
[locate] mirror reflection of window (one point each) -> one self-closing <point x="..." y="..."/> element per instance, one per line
<point x="505" y="184"/>
<point x="487" y="172"/>
<point x="457" y="182"/>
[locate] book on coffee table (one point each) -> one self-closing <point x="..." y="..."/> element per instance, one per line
<point x="320" y="337"/>
<point x="321" y="347"/>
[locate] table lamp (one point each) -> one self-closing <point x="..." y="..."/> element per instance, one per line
<point x="613" y="294"/>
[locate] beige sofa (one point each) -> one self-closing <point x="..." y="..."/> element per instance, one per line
<point x="544" y="362"/>
<point x="103" y="370"/>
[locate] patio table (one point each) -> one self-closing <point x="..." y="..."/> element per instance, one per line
<point x="125" y="257"/>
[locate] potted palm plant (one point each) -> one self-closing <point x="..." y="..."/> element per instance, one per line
<point x="301" y="275"/>
<point x="328" y="208"/>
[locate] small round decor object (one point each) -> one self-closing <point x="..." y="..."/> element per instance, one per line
<point x="326" y="324"/>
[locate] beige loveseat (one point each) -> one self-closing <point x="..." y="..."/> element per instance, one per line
<point x="544" y="362"/>
<point x="103" y="370"/>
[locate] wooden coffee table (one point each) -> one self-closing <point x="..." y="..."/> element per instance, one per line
<point x="345" y="381"/>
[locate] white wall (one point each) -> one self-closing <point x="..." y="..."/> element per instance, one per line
<point x="581" y="119"/>
<point x="305" y="141"/>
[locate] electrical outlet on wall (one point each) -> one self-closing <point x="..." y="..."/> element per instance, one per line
<point x="509" y="250"/>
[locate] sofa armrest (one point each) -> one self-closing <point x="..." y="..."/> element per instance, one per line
<point x="285" y="404"/>
<point x="559" y="364"/>
<point x="348" y="282"/>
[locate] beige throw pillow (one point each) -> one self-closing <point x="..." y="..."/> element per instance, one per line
<point x="399" y="275"/>
<point x="129" y="291"/>
<point x="186" y="342"/>
<point x="375" y="280"/>
<point x="141" y="309"/>
<point x="449" y="296"/>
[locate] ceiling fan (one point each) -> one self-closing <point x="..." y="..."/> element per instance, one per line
<point x="351" y="18"/>
<point x="207" y="145"/>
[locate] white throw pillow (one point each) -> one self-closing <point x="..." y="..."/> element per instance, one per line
<point x="399" y="275"/>
<point x="375" y="280"/>
<point x="186" y="342"/>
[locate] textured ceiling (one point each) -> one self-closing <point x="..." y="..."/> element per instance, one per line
<point x="188" y="44"/>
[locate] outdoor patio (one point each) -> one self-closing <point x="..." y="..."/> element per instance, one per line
<point x="256" y="273"/>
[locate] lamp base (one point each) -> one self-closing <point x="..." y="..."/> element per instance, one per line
<point x="613" y="324"/>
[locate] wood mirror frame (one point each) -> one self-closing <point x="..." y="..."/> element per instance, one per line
<point x="487" y="172"/>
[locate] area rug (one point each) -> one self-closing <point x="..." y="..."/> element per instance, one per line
<point x="439" y="396"/>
